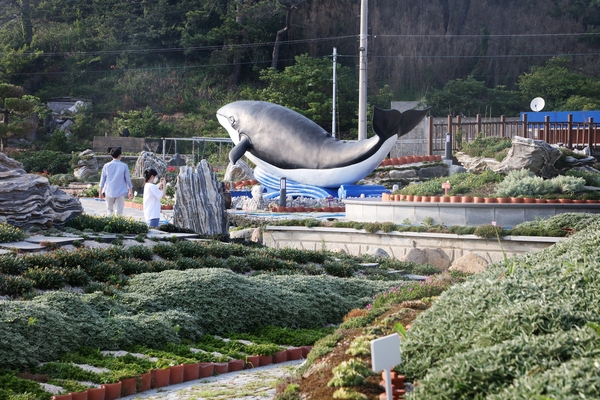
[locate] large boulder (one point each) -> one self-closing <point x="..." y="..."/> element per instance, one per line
<point x="147" y="160"/>
<point x="199" y="204"/>
<point x="87" y="166"/>
<point x="535" y="155"/>
<point x="470" y="263"/>
<point x="436" y="257"/>
<point x="240" y="171"/>
<point x="476" y="165"/>
<point x="28" y="200"/>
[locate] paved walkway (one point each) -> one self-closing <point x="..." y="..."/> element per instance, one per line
<point x="249" y="384"/>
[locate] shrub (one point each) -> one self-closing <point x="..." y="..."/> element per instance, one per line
<point x="53" y="162"/>
<point x="191" y="249"/>
<point x="489" y="231"/>
<point x="12" y="265"/>
<point x="14" y="286"/>
<point x="342" y="268"/>
<point x="110" y="224"/>
<point x="166" y="251"/>
<point x="9" y="233"/>
<point x="141" y="252"/>
<point x="45" y="278"/>
<point x="350" y="373"/>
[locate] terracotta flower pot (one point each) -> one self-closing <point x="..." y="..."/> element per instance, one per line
<point x="516" y="200"/>
<point x="403" y="160"/>
<point x="160" y="377"/>
<point x="206" y="369"/>
<point x="305" y="351"/>
<point x="564" y="201"/>
<point x="478" y="200"/>
<point x="279" y="357"/>
<point x="265" y="360"/>
<point x="191" y="372"/>
<point x="62" y="397"/>
<point x="444" y="199"/>
<point x="434" y="199"/>
<point x="221" y="367"/>
<point x="395" y="161"/>
<point x="467" y="199"/>
<point x="176" y="374"/>
<point x="327" y="209"/>
<point x="279" y="208"/>
<point x="397" y="197"/>
<point x="410" y="159"/>
<point x="490" y="200"/>
<point x="551" y="200"/>
<point x="79" y="395"/>
<point x="503" y="200"/>
<point x="252" y="361"/>
<point x="529" y="200"/>
<point x="425" y="199"/>
<point x="112" y="390"/>
<point x="96" y="393"/>
<point x="294" y="353"/>
<point x="455" y="199"/>
<point x="146" y="382"/>
<point x="540" y="201"/>
<point x="430" y="158"/>
<point x="128" y="386"/>
<point x="578" y="201"/>
<point x="337" y="209"/>
<point x="417" y="198"/>
<point x="236" y="365"/>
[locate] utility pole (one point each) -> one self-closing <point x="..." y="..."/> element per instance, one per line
<point x="334" y="91"/>
<point x="362" y="77"/>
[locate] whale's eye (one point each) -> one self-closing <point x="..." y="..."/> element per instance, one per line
<point x="232" y="120"/>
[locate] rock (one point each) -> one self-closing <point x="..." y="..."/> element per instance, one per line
<point x="28" y="200"/>
<point x="476" y="165"/>
<point x="377" y="252"/>
<point x="470" y="263"/>
<point x="66" y="126"/>
<point x="403" y="174"/>
<point x="256" y="202"/>
<point x="436" y="171"/>
<point x="456" y="169"/>
<point x="87" y="166"/>
<point x="534" y="155"/>
<point x="257" y="235"/>
<point x="245" y="234"/>
<point x="240" y="171"/>
<point x="147" y="160"/>
<point x="572" y="162"/>
<point x="199" y="205"/>
<point x="438" y="258"/>
<point x="416" y="256"/>
<point x="177" y="161"/>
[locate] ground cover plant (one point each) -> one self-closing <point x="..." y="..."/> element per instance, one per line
<point x="509" y="331"/>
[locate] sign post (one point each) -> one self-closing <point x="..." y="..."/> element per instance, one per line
<point x="446" y="187"/>
<point x="385" y="355"/>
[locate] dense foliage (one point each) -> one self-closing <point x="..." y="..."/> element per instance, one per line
<point x="512" y="328"/>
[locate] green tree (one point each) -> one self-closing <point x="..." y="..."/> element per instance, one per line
<point x="17" y="110"/>
<point x="470" y="97"/>
<point x="141" y="124"/>
<point x="306" y="87"/>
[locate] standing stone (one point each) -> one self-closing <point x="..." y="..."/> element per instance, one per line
<point x="87" y="166"/>
<point x="28" y="200"/>
<point x="147" y="160"/>
<point x="199" y="204"/>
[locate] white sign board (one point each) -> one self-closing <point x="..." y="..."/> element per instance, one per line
<point x="385" y="352"/>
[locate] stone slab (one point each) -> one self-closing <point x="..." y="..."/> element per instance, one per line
<point x="415" y="277"/>
<point x="59" y="240"/>
<point x="22" y="245"/>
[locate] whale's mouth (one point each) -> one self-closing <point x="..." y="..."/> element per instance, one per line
<point x="226" y="123"/>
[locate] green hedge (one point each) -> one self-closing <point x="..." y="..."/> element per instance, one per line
<point x="168" y="307"/>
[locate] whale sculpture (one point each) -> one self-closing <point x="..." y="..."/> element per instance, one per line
<point x="287" y="144"/>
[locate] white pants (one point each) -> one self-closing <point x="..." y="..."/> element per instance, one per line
<point x="115" y="205"/>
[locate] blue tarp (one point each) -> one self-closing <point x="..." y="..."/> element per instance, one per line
<point x="561" y="116"/>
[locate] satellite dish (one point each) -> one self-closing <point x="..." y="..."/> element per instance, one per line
<point x="537" y="104"/>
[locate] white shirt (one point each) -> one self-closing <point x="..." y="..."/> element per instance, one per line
<point x="152" y="196"/>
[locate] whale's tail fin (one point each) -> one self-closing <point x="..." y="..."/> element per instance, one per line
<point x="387" y="123"/>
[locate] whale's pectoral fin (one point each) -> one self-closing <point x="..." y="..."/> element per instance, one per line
<point x="239" y="149"/>
<point x="386" y="122"/>
<point x="410" y="119"/>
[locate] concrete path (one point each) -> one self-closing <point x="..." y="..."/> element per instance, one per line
<point x="249" y="384"/>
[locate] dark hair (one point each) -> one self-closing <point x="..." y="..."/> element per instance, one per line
<point x="115" y="152"/>
<point x="149" y="173"/>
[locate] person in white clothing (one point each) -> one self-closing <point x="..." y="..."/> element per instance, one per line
<point x="152" y="196"/>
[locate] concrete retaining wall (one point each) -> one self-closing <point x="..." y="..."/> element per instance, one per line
<point x="397" y="244"/>
<point x="464" y="214"/>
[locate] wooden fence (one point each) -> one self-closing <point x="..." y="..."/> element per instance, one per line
<point x="571" y="134"/>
